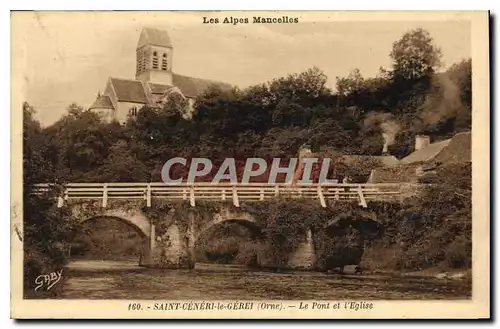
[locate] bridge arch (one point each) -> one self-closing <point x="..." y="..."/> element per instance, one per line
<point x="366" y="226"/>
<point x="137" y="226"/>
<point x="132" y="216"/>
<point x="226" y="216"/>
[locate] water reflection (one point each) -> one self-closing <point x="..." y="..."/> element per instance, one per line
<point x="126" y="280"/>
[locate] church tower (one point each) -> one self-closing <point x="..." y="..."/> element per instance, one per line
<point x="154" y="57"/>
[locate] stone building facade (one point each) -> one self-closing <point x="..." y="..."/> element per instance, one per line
<point x="154" y="81"/>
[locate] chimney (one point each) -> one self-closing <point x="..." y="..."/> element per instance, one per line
<point x="421" y="142"/>
<point x="304" y="151"/>
<point x="385" y="150"/>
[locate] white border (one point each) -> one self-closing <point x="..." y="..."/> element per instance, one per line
<point x="185" y="5"/>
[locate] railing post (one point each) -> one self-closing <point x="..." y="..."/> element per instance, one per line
<point x="236" y="201"/>
<point x="148" y="195"/>
<point x="60" y="202"/>
<point x="105" y="195"/>
<point x="400" y="190"/>
<point x="261" y="198"/>
<point x="223" y="196"/>
<point x="191" y="196"/>
<point x="321" y="196"/>
<point x="276" y="190"/>
<point x="362" y="201"/>
<point x="152" y="235"/>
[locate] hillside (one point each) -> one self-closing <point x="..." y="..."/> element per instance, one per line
<point x="363" y="116"/>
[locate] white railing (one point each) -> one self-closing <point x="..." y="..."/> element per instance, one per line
<point x="226" y="191"/>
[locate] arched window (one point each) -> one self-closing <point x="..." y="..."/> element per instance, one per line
<point x="164" y="62"/>
<point x="155" y="60"/>
<point x="140" y="62"/>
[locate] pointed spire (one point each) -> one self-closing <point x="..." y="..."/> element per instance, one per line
<point x="155" y="37"/>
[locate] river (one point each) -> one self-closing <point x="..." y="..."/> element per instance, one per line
<point x="126" y="280"/>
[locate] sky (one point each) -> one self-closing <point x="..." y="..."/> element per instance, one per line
<point x="67" y="57"/>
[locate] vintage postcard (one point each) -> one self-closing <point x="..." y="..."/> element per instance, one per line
<point x="301" y="164"/>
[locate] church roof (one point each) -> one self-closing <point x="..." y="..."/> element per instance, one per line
<point x="102" y="102"/>
<point x="135" y="91"/>
<point x="192" y="87"/>
<point x="154" y="37"/>
<point x="157" y="88"/>
<point x="129" y="90"/>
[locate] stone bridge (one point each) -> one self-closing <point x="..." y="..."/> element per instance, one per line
<point x="173" y="245"/>
<point x="169" y="236"/>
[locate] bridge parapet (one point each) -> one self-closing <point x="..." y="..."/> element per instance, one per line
<point x="251" y="192"/>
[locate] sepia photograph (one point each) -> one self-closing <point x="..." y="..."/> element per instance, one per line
<point x="250" y="164"/>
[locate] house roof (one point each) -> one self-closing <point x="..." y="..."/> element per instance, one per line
<point x="150" y="36"/>
<point x="394" y="174"/>
<point x="129" y="90"/>
<point x="427" y="153"/>
<point x="192" y="87"/>
<point x="385" y="160"/>
<point x="102" y="102"/>
<point x="458" y="149"/>
<point x="454" y="150"/>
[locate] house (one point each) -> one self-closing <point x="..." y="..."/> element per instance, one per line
<point x="426" y="158"/>
<point x="355" y="168"/>
<point x="424" y="150"/>
<point x="364" y="165"/>
<point x="154" y="81"/>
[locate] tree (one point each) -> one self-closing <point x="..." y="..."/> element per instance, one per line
<point x="305" y="87"/>
<point x="120" y="166"/>
<point x="45" y="235"/>
<point x="82" y="142"/>
<point x="352" y="83"/>
<point x="415" y="56"/>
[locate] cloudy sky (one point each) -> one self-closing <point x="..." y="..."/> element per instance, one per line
<point x="68" y="57"/>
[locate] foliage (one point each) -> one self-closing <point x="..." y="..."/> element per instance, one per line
<point x="45" y="236"/>
<point x="272" y="119"/>
<point x="415" y="56"/>
<point x="435" y="230"/>
<point x="286" y="223"/>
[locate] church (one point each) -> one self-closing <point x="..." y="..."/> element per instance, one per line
<point x="154" y="82"/>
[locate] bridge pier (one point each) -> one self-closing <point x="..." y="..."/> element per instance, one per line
<point x="148" y="246"/>
<point x="171" y="250"/>
<point x="304" y="257"/>
<point x="146" y="259"/>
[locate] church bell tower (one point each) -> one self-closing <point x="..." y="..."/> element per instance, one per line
<point x="154" y="57"/>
